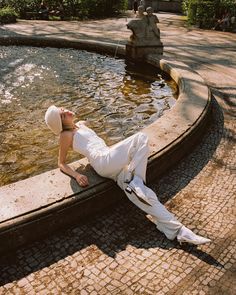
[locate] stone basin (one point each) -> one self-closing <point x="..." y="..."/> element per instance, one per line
<point x="38" y="206"/>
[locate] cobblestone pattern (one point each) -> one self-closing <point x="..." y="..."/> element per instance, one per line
<point x="121" y="252"/>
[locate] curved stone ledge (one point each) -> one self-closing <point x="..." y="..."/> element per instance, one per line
<point x="90" y="45"/>
<point x="37" y="206"/>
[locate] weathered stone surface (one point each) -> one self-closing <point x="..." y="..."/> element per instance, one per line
<point x="200" y="190"/>
<point x="145" y="38"/>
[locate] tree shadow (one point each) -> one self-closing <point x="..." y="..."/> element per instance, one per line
<point x="119" y="227"/>
<point x="179" y="176"/>
<point x="113" y="231"/>
<point x="110" y="232"/>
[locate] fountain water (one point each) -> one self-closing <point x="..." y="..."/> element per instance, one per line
<point x="118" y="98"/>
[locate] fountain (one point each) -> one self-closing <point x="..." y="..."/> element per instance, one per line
<point x="39" y="205"/>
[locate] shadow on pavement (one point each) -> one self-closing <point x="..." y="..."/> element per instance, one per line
<point x="180" y="175"/>
<point x="109" y="234"/>
<point x="122" y="226"/>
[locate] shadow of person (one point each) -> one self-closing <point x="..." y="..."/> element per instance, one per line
<point x="120" y="226"/>
<point x="94" y="179"/>
<point x="206" y="257"/>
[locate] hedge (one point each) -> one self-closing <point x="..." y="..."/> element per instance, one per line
<point x="204" y="13"/>
<point x="72" y="8"/>
<point x="7" y="15"/>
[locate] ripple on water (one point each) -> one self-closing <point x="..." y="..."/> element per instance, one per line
<point x="117" y="98"/>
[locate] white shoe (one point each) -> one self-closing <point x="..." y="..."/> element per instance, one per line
<point x="185" y="235"/>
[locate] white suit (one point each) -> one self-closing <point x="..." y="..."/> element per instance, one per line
<point x="118" y="162"/>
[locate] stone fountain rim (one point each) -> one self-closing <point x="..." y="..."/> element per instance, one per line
<point x="53" y="194"/>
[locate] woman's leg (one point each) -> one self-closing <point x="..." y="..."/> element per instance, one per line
<point x="164" y="220"/>
<point x="149" y="203"/>
<point x="138" y="155"/>
<point x="146" y="199"/>
<point x="129" y="155"/>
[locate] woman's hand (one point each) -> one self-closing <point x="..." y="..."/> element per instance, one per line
<point x="82" y="180"/>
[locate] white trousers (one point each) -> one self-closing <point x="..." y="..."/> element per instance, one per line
<point x="131" y="155"/>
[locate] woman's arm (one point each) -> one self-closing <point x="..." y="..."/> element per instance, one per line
<point x="65" y="143"/>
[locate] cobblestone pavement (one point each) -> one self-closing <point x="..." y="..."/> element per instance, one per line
<point x="120" y="251"/>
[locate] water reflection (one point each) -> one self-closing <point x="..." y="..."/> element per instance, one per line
<point x="117" y="98"/>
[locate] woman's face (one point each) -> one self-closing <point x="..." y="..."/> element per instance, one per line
<point x="66" y="116"/>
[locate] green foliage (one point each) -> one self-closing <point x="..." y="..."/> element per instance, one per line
<point x="72" y="8"/>
<point x="7" y="15"/>
<point x="205" y="12"/>
<point x="19" y="6"/>
<point x="101" y="8"/>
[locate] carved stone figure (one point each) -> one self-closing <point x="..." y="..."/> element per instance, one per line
<point x="141" y="11"/>
<point x="145" y="36"/>
<point x="152" y="20"/>
<point x="144" y="28"/>
<point x="139" y="29"/>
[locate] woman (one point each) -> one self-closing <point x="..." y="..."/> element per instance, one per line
<point x="124" y="162"/>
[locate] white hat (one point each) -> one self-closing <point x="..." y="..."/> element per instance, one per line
<point x="53" y="119"/>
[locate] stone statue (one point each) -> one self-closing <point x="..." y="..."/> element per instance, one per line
<point x="145" y="36"/>
<point x="152" y="20"/>
<point x="144" y="28"/>
<point x="141" y="11"/>
<point x="138" y="26"/>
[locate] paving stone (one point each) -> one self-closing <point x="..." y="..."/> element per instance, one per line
<point x="128" y="256"/>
